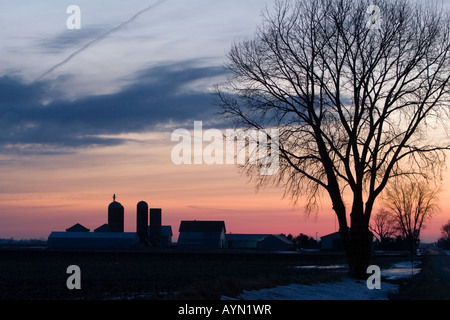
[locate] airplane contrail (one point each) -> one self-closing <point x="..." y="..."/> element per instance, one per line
<point x="103" y="36"/>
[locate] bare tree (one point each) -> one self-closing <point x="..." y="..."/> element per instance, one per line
<point x="354" y="106"/>
<point x="444" y="241"/>
<point x="446" y="231"/>
<point x="411" y="204"/>
<point x="384" y="226"/>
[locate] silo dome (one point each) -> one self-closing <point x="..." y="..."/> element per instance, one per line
<point x="116" y="217"/>
<point x="115" y="205"/>
<point x="142" y="205"/>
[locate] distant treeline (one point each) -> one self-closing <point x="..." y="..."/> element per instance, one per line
<point x="23" y="242"/>
<point x="444" y="243"/>
<point x="303" y="241"/>
<point x="397" y="243"/>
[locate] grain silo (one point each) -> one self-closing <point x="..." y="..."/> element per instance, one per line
<point x="116" y="216"/>
<point x="142" y="221"/>
<point x="155" y="226"/>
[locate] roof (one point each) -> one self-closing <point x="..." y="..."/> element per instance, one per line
<point x="280" y="237"/>
<point x="93" y="235"/>
<point x="337" y="235"/>
<point x="103" y="228"/>
<point x="77" y="228"/>
<point x="331" y="235"/>
<point x="246" y="237"/>
<point x="91" y="240"/>
<point x="274" y="242"/>
<point x="202" y="226"/>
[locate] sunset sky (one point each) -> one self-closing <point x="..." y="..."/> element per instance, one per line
<point x="82" y="119"/>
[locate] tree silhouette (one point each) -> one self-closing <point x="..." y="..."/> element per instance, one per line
<point x="384" y="227"/>
<point x="411" y="204"/>
<point x="446" y="231"/>
<point x="444" y="241"/>
<point x="355" y="106"/>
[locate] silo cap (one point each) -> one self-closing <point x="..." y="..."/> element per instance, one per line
<point x="143" y="204"/>
<point x="115" y="204"/>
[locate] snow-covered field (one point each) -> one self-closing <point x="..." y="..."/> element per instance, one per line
<point x="346" y="289"/>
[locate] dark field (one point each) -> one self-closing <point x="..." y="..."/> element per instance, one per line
<point x="41" y="274"/>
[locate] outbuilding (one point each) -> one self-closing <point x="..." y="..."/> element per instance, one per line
<point x="331" y="242"/>
<point x="275" y="242"/>
<point x="166" y="236"/>
<point x="241" y="241"/>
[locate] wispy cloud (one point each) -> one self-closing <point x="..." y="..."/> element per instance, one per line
<point x="98" y="39"/>
<point x="65" y="39"/>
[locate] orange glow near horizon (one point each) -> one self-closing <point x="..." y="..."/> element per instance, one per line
<point x="46" y="193"/>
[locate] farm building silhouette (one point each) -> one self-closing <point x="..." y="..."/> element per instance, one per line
<point x="112" y="235"/>
<point x="202" y="235"/>
<point x="193" y="235"/>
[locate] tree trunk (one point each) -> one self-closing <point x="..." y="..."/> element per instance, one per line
<point x="359" y="251"/>
<point x="357" y="241"/>
<point x="357" y="245"/>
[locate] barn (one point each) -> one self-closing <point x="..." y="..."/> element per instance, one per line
<point x="202" y="235"/>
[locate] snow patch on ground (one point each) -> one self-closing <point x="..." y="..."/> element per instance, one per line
<point x="330" y="267"/>
<point x="346" y="289"/>
<point x="402" y="270"/>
